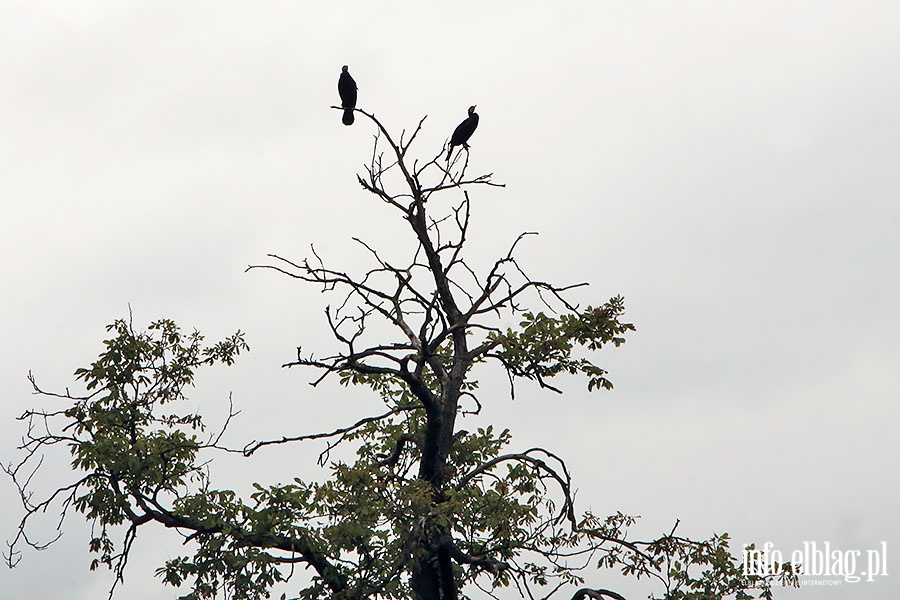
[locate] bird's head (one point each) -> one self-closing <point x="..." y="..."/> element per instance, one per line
<point x="472" y="109"/>
<point x="344" y="69"/>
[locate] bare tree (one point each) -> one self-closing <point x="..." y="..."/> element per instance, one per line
<point x="427" y="510"/>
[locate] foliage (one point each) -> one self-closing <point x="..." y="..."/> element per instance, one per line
<point x="426" y="509"/>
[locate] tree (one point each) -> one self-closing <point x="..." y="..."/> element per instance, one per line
<point x="426" y="510"/>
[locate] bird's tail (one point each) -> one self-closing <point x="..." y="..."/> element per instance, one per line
<point x="449" y="152"/>
<point x="348" y="116"/>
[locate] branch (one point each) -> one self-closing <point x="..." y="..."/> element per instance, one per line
<point x="486" y="563"/>
<point x="564" y="480"/>
<point x="597" y="594"/>
<point x="391" y="460"/>
<point x="253" y="446"/>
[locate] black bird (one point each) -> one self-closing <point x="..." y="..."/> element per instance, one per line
<point x="347" y="90"/>
<point x="464" y="131"/>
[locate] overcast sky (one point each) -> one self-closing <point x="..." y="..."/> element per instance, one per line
<point x="731" y="168"/>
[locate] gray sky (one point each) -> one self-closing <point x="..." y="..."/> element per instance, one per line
<point x="730" y="168"/>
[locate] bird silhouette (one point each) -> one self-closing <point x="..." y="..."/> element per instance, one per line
<point x="463" y="132"/>
<point x="347" y="90"/>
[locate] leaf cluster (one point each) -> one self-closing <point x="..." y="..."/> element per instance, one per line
<point x="543" y="346"/>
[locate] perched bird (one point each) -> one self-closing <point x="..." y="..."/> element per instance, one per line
<point x="347" y="90"/>
<point x="463" y="131"/>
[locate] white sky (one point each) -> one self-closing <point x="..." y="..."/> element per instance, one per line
<point x="730" y="168"/>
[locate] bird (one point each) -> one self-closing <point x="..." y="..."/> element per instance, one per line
<point x="347" y="90"/>
<point x="463" y="132"/>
